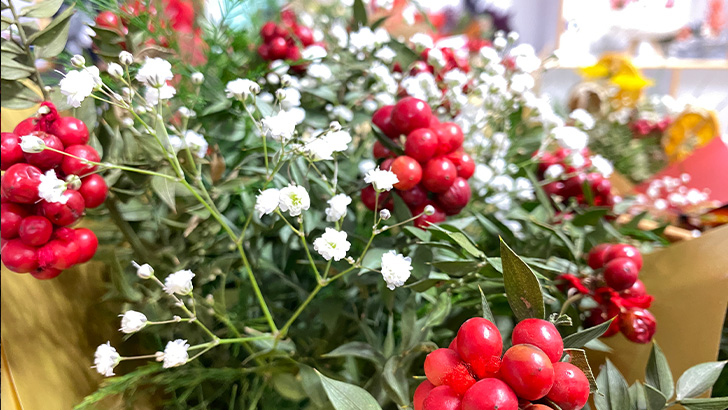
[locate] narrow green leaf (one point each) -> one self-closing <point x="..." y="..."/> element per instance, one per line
<point x="288" y="386"/>
<point x="386" y="141"/>
<point x="457" y="268"/>
<point x="324" y="93"/>
<point x="360" y="13"/>
<point x="612" y="384"/>
<point x="345" y="396"/>
<point x="17" y="95"/>
<point x="577" y="357"/>
<point x="714" y="403"/>
<point x="487" y="314"/>
<point x="9" y="46"/>
<point x="698" y="379"/>
<point x="312" y="386"/>
<point x="637" y="396"/>
<point x="579" y="339"/>
<point x="50" y="41"/>
<point x="658" y="374"/>
<point x="463" y="241"/>
<point x="42" y="10"/>
<point x="590" y="217"/>
<point x="655" y="399"/>
<point x="164" y="188"/>
<point x="439" y="314"/>
<point x="379" y="22"/>
<point x="405" y="55"/>
<point x="394" y="381"/>
<point x="522" y="288"/>
<point x="357" y="349"/>
<point x="13" y="70"/>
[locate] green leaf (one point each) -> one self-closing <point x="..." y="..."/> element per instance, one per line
<point x="714" y="403"/>
<point x="577" y="357"/>
<point x="13" y="70"/>
<point x="345" y="396"/>
<point x="698" y="379"/>
<point x="17" y="95"/>
<point x="288" y="386"/>
<point x="386" y="141"/>
<point x="441" y="311"/>
<point x="360" y="13"/>
<point x="379" y="22"/>
<point x="579" y="339"/>
<point x="164" y="188"/>
<point x="418" y="233"/>
<point x="42" y="10"/>
<point x="613" y="388"/>
<point x="312" y="386"/>
<point x="522" y="288"/>
<point x="373" y="258"/>
<point x="655" y="399"/>
<point x="50" y="41"/>
<point x="463" y="241"/>
<point x="487" y="314"/>
<point x="405" y="55"/>
<point x="394" y="380"/>
<point x="658" y="374"/>
<point x="9" y="46"/>
<point x="324" y="93"/>
<point x="637" y="396"/>
<point x="357" y="349"/>
<point x="457" y="268"/>
<point x="590" y="217"/>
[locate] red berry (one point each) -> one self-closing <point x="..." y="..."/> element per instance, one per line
<point x="599" y="185"/>
<point x="87" y="244"/>
<point x="77" y="166"/>
<point x="408" y="171"/>
<point x="595" y="258"/>
<point x="368" y="197"/>
<point x="278" y="48"/>
<point x="490" y="394"/>
<point x="449" y="136"/>
<point x="620" y="273"/>
<point x="554" y="188"/>
<point x="288" y="17"/>
<point x="12" y="216"/>
<point x="386" y="164"/>
<point x="456" y="197"/>
<point x="382" y="119"/>
<point x="421" y="144"/>
<point x="464" y="164"/>
<point x="454" y="344"/>
<point x="571" y="387"/>
<point x="636" y="290"/>
<point x="20" y="183"/>
<point x="45" y="273"/>
<point x="35" y="230"/>
<point x="64" y="214"/>
<point x="442" y="398"/>
<point x="413" y="197"/>
<point x="542" y="334"/>
<point x="421" y="393"/>
<point x="293" y="53"/>
<point x="264" y="52"/>
<point x="480" y="345"/>
<point x="528" y="370"/>
<point x="410" y="114"/>
<point x="70" y="130"/>
<point x="420" y="67"/>
<point x="107" y="19"/>
<point x="438" y="174"/>
<point x="574" y="186"/>
<point x="380" y="151"/>
<point x="624" y="251"/>
<point x="281" y="32"/>
<point x="26" y="126"/>
<point x="93" y="190"/>
<point x="304" y="34"/>
<point x="268" y="30"/>
<point x="443" y="366"/>
<point x="599" y="315"/>
<point x="423" y="221"/>
<point x="19" y="257"/>
<point x="11" y="151"/>
<point x="62" y="252"/>
<point x="537" y="407"/>
<point x="46" y="159"/>
<point x="638" y="325"/>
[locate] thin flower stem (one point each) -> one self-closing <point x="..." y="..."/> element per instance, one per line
<point x="200" y="354"/>
<point x="146" y="356"/>
<point x="284" y="329"/>
<point x="308" y="252"/>
<point x="28" y="51"/>
<point x="568" y="302"/>
<point x="265" y="142"/>
<point x="296" y="231"/>
<point x="182" y="306"/>
<point x="113" y="166"/>
<point x="164" y="322"/>
<point x="387" y="227"/>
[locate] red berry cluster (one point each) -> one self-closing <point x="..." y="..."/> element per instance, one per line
<point x="452" y="61"/>
<point x="434" y="170"/>
<point x="282" y="41"/>
<point x="574" y="178"/>
<point x="471" y="374"/>
<point x="618" y="292"/>
<point x="35" y="233"/>
<point x="646" y="128"/>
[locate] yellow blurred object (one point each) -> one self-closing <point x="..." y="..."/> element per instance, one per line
<point x="618" y="70"/>
<point x="692" y="129"/>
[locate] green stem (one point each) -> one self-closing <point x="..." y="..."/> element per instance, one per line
<point x="112" y="166"/>
<point x="28" y="51"/>
<point x="265" y="142"/>
<point x="308" y="252"/>
<point x="297" y="313"/>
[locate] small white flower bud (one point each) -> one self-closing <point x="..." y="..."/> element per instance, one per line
<point x="197" y="78"/>
<point x="513" y="36"/>
<point x="335" y="126"/>
<point x="429" y="210"/>
<point x="186" y="112"/>
<point x="128" y="122"/>
<point x="132" y="321"/>
<point x="78" y="61"/>
<point x="385" y="214"/>
<point x="126" y="58"/>
<point x="280" y="94"/>
<point x="31" y="144"/>
<point x="500" y="43"/>
<point x="144" y="271"/>
<point x="73" y="182"/>
<point x="349" y="259"/>
<point x="44" y="110"/>
<point x="285" y="80"/>
<point x="115" y="70"/>
<point x="272" y="78"/>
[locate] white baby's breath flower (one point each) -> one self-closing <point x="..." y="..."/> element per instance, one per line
<point x="319" y="71"/>
<point x="520" y="83"/>
<point x="153" y="95"/>
<point x="126" y="58"/>
<point x="337" y="207"/>
<point x="362" y="40"/>
<point x="343" y="113"/>
<point x="241" y="89"/>
<point x="175" y="354"/>
<point x="436" y="59"/>
<point x="179" y="282"/>
<point x="132" y="321"/>
<point x="196" y="143"/>
<point x="602" y="165"/>
<point x="31" y="144"/>
<point x="583" y="118"/>
<point x="455" y="78"/>
<point x="380" y="179"/>
<point x="155" y="72"/>
<point x="385" y="54"/>
<point x="500" y="43"/>
<point x="267" y="202"/>
<point x="313" y="52"/>
<point x="576" y="160"/>
<point x="51" y="188"/>
<point x="197" y="78"/>
<point x="384" y="214"/>
<point x="294" y="199"/>
<point x="115" y="70"/>
<point x="366" y="165"/>
<point x="570" y="137"/>
<point x="332" y="245"/>
<point x="78" y="61"/>
<point x="429" y="210"/>
<point x="144" y="271"/>
<point x="422" y="41"/>
<point x="489" y="54"/>
<point x="105" y="359"/>
<point x="77" y="85"/>
<point x="281" y="126"/>
<point x="396" y="269"/>
<point x="554" y="171"/>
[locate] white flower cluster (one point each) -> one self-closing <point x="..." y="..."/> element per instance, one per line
<point x="396" y="269"/>
<point x="292" y="199"/>
<point x="192" y="140"/>
<point x="332" y="245"/>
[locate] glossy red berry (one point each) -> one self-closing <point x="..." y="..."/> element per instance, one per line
<point x="26" y="126"/>
<point x="408" y="171"/>
<point x="87" y="244"/>
<point x="45" y="273"/>
<point x="421" y="144"/>
<point x="480" y="345"/>
<point x="70" y="130"/>
<point x="624" y="251"/>
<point x="555" y="188"/>
<point x="574" y="186"/>
<point x="595" y="258"/>
<point x="35" y="230"/>
<point x="456" y="197"/>
<point x="264" y="52"/>
<point x="542" y="334"/>
<point x="463" y="162"/>
<point x="20" y="183"/>
<point x="438" y="174"/>
<point x="19" y="257"/>
<point x="571" y="387"/>
<point x="528" y="370"/>
<point x="293" y="53"/>
<point x="537" y="406"/>
<point x="46" y="159"/>
<point x="107" y="19"/>
<point x="413" y="197"/>
<point x="442" y="398"/>
<point x="268" y="30"/>
<point x="380" y="151"/>
<point x="599" y="315"/>
<point x="11" y="151"/>
<point x="61" y="252"/>
<point x="93" y="190"/>
<point x="368" y="197"/>
<point x="635" y="291"/>
<point x="423" y="221"/>
<point x="421" y="393"/>
<point x="78" y="166"/>
<point x="304" y="34"/>
<point x="443" y="366"/>
<point x="64" y="214"/>
<point x="278" y="48"/>
<point x="449" y="136"/>
<point x="620" y="273"/>
<point x="453" y="344"/>
<point x="386" y="164"/>
<point x="490" y="394"/>
<point x="382" y="118"/>
<point x="410" y="114"/>
<point x="12" y="216"/>
<point x="638" y="325"/>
